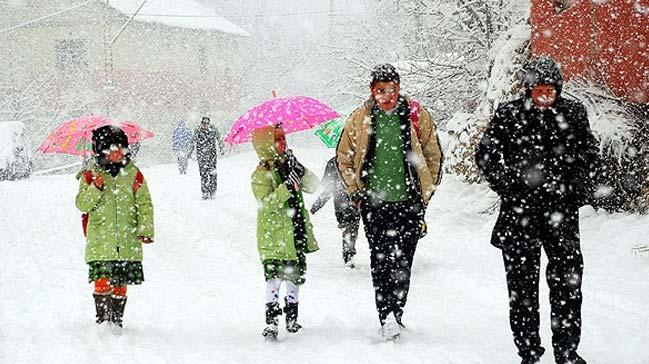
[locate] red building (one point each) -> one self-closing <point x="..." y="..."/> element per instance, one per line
<point x="603" y="40"/>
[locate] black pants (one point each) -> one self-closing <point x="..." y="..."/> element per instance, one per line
<point x="208" y="178"/>
<point x="392" y="230"/>
<point x="182" y="163"/>
<point x="349" y="230"/>
<point x="521" y="236"/>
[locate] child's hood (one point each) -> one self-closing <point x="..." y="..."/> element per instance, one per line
<point x="263" y="139"/>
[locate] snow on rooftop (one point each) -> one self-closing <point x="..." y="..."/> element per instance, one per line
<point x="177" y="13"/>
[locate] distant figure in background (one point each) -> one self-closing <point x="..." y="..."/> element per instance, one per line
<point x="204" y="140"/>
<point x="181" y="142"/>
<point x="347" y="214"/>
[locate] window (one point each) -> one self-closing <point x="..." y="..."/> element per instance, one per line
<point x="71" y="54"/>
<point x="561" y="5"/>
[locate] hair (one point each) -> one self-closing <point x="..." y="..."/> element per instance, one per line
<point x="384" y="73"/>
<point x="205" y="119"/>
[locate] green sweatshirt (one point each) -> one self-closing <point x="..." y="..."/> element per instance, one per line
<point x="388" y="179"/>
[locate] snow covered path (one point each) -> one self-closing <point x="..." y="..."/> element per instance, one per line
<point x="203" y="299"/>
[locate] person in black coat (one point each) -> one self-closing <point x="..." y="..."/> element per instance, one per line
<point x="540" y="156"/>
<point x="346" y="213"/>
<point x="205" y="139"/>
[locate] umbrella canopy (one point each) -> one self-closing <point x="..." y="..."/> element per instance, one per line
<point x="74" y="136"/>
<point x="330" y="132"/>
<point x="293" y="113"/>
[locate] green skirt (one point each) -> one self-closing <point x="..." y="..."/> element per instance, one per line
<point x="286" y="270"/>
<point x="120" y="272"/>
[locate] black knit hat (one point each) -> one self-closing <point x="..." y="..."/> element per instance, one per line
<point x="384" y="73"/>
<point x="106" y="136"/>
<point x="543" y="71"/>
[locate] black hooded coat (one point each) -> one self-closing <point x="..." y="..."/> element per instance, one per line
<point x="542" y="164"/>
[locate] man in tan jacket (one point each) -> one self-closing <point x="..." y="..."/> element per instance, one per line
<point x="389" y="158"/>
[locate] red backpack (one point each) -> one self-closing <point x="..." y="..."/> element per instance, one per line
<point x="88" y="177"/>
<point x="414" y="116"/>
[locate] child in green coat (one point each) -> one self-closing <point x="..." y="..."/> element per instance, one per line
<point x="284" y="232"/>
<point x="118" y="219"/>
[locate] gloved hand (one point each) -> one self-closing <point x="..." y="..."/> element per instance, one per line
<point x="423" y="228"/>
<point x="295" y="171"/>
<point x="357" y="198"/>
<point x="294" y="165"/>
<point x="145" y="240"/>
<point x="293" y="181"/>
<point x="98" y="180"/>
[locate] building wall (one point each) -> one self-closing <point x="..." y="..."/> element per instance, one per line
<point x="160" y="74"/>
<point x="604" y="41"/>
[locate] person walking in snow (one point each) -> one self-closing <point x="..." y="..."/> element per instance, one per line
<point x="539" y="155"/>
<point x="181" y="142"/>
<point x="347" y="213"/>
<point x="204" y="140"/>
<point x="284" y="232"/>
<point x="114" y="195"/>
<point x="389" y="159"/>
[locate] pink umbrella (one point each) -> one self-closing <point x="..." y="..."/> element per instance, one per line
<point x="74" y="136"/>
<point x="293" y="113"/>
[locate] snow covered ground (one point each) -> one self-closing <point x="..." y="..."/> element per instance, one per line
<point x="203" y="299"/>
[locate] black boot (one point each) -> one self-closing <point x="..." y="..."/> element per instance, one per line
<point x="117" y="311"/>
<point x="291" y="317"/>
<point x="272" y="322"/>
<point x="102" y="307"/>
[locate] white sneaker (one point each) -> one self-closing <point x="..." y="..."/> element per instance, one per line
<point x="390" y="329"/>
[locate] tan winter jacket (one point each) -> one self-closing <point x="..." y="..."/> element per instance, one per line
<point x="352" y="149"/>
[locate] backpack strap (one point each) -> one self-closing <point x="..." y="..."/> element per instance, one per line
<point x="414" y="116"/>
<point x="139" y="180"/>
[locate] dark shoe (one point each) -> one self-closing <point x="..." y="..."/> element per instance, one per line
<point x="102" y="307"/>
<point x="117" y="310"/>
<point x="291" y="317"/>
<point x="273" y="311"/>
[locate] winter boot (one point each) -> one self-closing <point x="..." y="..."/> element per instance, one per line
<point x="390" y="329"/>
<point x="102" y="307"/>
<point x="272" y="312"/>
<point x="349" y="261"/>
<point x="117" y="312"/>
<point x="291" y="317"/>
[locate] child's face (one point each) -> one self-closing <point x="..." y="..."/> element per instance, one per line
<point x="115" y="154"/>
<point x="280" y="141"/>
<point x="386" y="94"/>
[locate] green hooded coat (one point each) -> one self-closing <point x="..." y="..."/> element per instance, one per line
<point x="275" y="239"/>
<point x="117" y="215"/>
